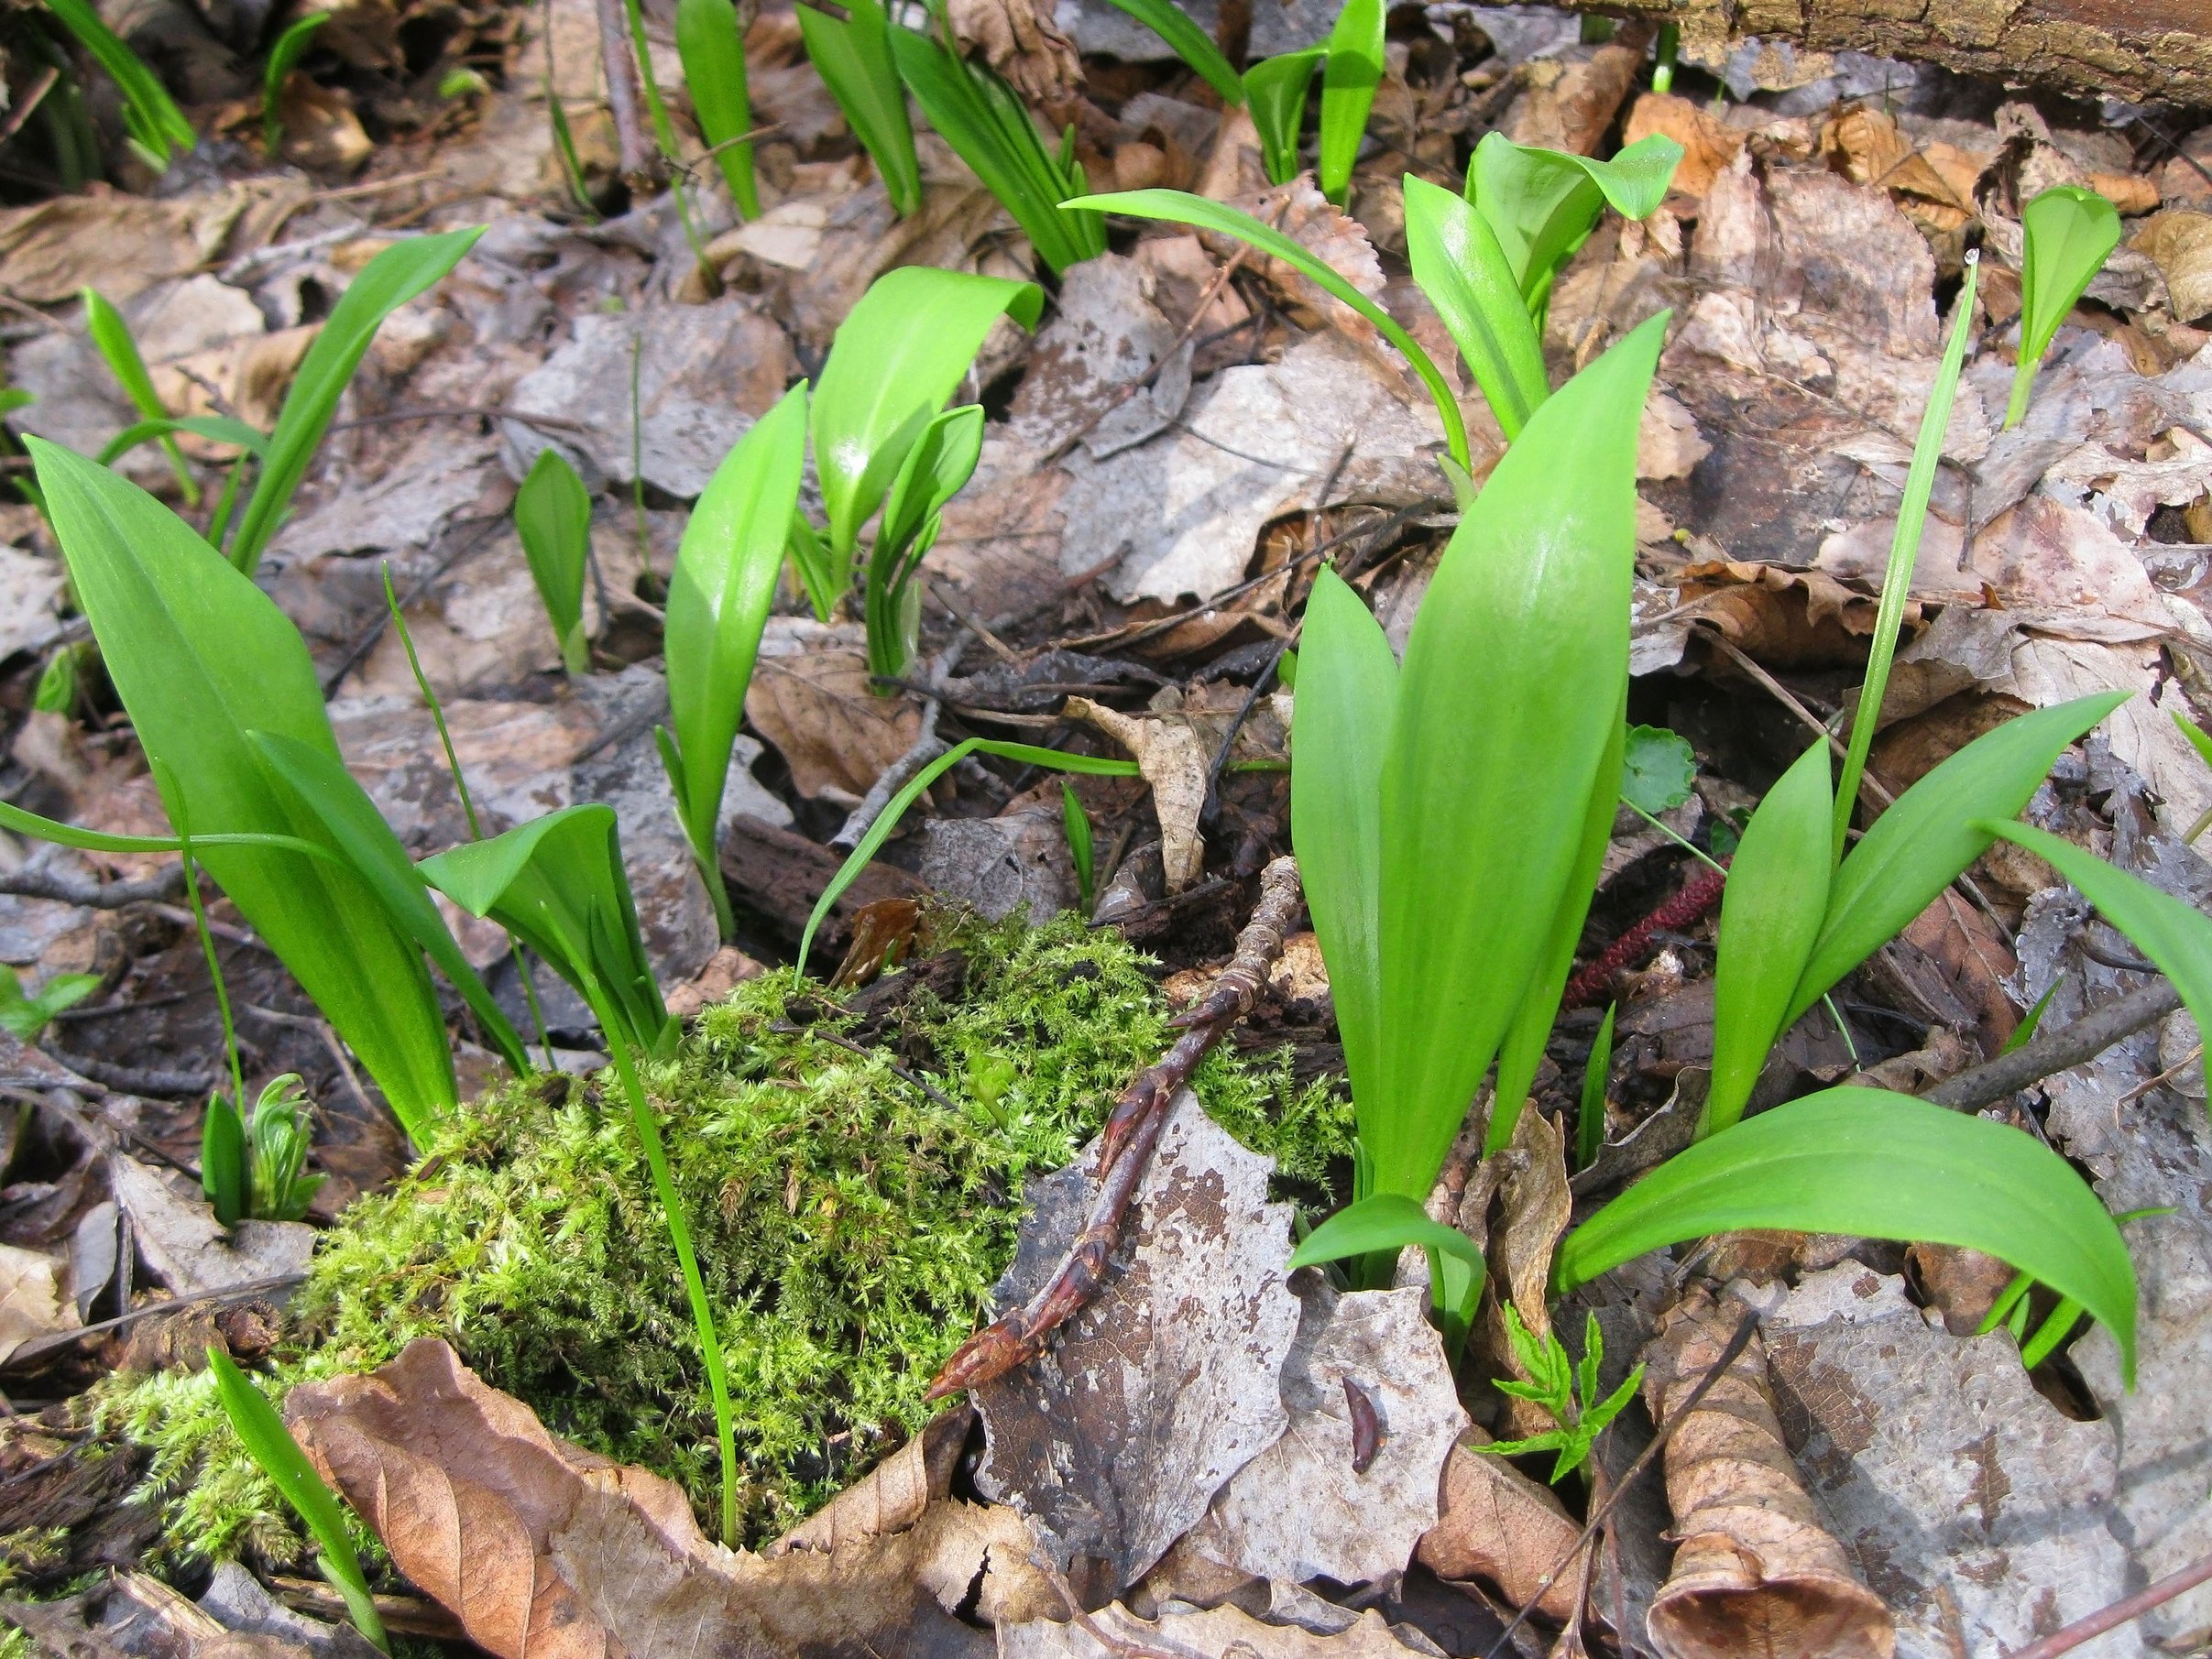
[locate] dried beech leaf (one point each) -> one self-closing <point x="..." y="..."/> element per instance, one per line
<point x="1021" y="40"/>
<point x="1500" y="1526"/>
<point x="1115" y="1439"/>
<point x="1176" y="762"/>
<point x="542" y="1548"/>
<point x="1754" y="1569"/>
<point x="1303" y="1509"/>
<point x="894" y="1497"/>
<point x="810" y="696"/>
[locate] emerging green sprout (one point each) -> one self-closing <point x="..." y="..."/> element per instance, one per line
<point x="1351" y="69"/>
<point x="980" y="116"/>
<point x="853" y="56"/>
<point x="284" y="58"/>
<point x="24" y="1015"/>
<point x="157" y="126"/>
<point x="1274" y="91"/>
<point x="255" y="1168"/>
<point x="2069" y="232"/>
<point x="1567" y="1391"/>
<point x="263" y="1433"/>
<point x="552" y="516"/>
<point x="1080" y="852"/>
<point x="712" y="47"/>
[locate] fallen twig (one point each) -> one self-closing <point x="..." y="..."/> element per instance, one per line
<point x="68" y="887"/>
<point x="634" y="155"/>
<point x="1131" y="1130"/>
<point x="2053" y="1052"/>
<point x="2121" y="1612"/>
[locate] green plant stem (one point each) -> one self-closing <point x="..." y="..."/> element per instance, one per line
<point x="1904" y="552"/>
<point x="207" y="946"/>
<point x="679" y="1233"/>
<point x="1669" y="45"/>
<point x="1682" y="841"/>
<point x="468" y="806"/>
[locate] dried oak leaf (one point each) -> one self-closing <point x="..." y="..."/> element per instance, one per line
<point x="1755" y="1571"/>
<point x="542" y="1548"/>
<point x="1305" y="1508"/>
<point x="1152" y="1397"/>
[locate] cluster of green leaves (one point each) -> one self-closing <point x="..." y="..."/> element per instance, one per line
<point x="155" y="126"/>
<point x="255" y="1167"/>
<point x="849" y="1226"/>
<point x="1567" y="1390"/>
<point x="23" y="1015"/>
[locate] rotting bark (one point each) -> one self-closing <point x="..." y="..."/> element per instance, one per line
<point x="2146" y="50"/>
<point x="1125" y="1145"/>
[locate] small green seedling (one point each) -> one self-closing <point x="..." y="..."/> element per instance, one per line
<point x="1567" y="1391"/>
<point x="386" y="282"/>
<point x="980" y="116"/>
<point x="256" y="1424"/>
<point x="1274" y="91"/>
<point x="61" y="681"/>
<point x="989" y="1078"/>
<point x="1079" y="849"/>
<point x="223" y="1171"/>
<point x="718" y="600"/>
<point x="712" y="47"/>
<point x="462" y="82"/>
<point x="552" y="516"/>
<point x="1542" y="204"/>
<point x="853" y="56"/>
<point x="284" y="58"/>
<point x="1590" y="1119"/>
<point x="155" y="126"/>
<point x="1192" y="44"/>
<point x="112" y="337"/>
<point x="557" y="884"/>
<point x="942" y="460"/>
<point x="895" y="360"/>
<point x="255" y="1168"/>
<point x="2069" y="232"/>
<point x="24" y="1016"/>
<point x="1351" y="69"/>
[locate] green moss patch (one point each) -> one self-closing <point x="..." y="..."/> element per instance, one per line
<point x="850" y="1225"/>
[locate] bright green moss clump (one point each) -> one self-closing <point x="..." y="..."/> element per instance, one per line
<point x="848" y="1225"/>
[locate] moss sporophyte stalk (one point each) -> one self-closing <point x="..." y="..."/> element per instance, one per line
<point x="848" y="1225"/>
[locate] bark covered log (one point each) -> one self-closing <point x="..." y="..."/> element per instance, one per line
<point x="2145" y="50"/>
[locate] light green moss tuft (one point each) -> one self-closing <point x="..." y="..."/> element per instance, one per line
<point x="848" y="1225"/>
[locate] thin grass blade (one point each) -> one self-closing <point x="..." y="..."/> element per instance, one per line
<point x="1192" y="44"/>
<point x="111" y="336"/>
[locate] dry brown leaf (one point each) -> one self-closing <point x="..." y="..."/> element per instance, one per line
<point x="1500" y="1526"/>
<point x="1568" y="101"/>
<point x="2181" y="243"/>
<point x="1961" y="1284"/>
<point x="31" y="1303"/>
<point x="1220" y="1632"/>
<point x="1782" y="618"/>
<point x="811" y="697"/>
<point x="132" y="1616"/>
<point x="1313" y="221"/>
<point x="1754" y="1569"/>
<point x="1023" y="40"/>
<point x="1709" y="143"/>
<point x="542" y="1548"/>
<point x="1175" y="761"/>
<point x="123" y="244"/>
<point x="894" y="1495"/>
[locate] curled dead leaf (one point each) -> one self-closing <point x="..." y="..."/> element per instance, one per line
<point x="2181" y="243"/>
<point x="812" y="698"/>
<point x="1754" y="1569"/>
<point x="1023" y="40"/>
<point x="1500" y="1526"/>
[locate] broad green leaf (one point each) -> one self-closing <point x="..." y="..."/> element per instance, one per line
<point x="1274" y="91"/>
<point x="558" y="885"/>
<point x="886" y="821"/>
<point x="1659" y="771"/>
<point x="2069" y="232"/>
<point x="1543" y="203"/>
<point x="2175" y="935"/>
<point x="1920" y="845"/>
<point x="854" y="59"/>
<point x="1179" y="207"/>
<point x="712" y="49"/>
<point x="1878" y="1165"/>
<point x="1388" y="1221"/>
<point x="989" y="128"/>
<point x="1457" y="265"/>
<point x="1340" y="725"/>
<point x="322" y="786"/>
<point x="149" y="113"/>
<point x="271" y="1445"/>
<point x="942" y="460"/>
<point x="112" y="337"/>
<point x="897" y="356"/>
<point x="386" y="283"/>
<point x="552" y="516"/>
<point x="200" y="657"/>
<point x="1508" y="704"/>
<point x="222" y="1176"/>
<point x="1352" y="70"/>
<point x="1904" y="552"/>
<point x="284" y="58"/>
<point x="1522" y="1050"/>
<point x="1770" y="917"/>
<point x="718" y="603"/>
<point x="216" y="429"/>
<point x="1192" y="44"/>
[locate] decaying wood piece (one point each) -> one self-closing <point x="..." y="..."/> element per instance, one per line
<point x="1754" y="1569"/>
<point x="2148" y="50"/>
<point x="1133" y="1130"/>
